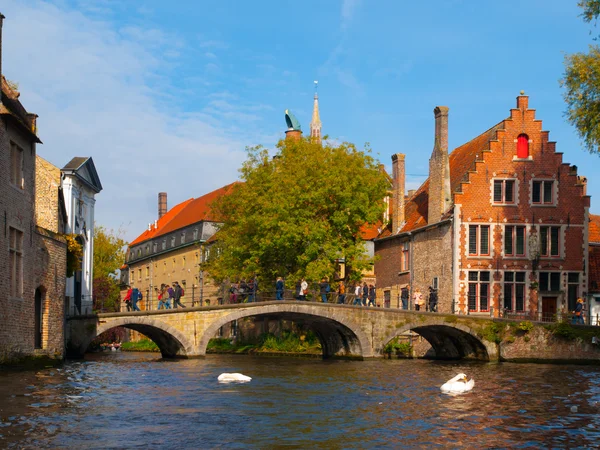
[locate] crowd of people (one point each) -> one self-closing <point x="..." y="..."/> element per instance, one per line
<point x="167" y="295"/>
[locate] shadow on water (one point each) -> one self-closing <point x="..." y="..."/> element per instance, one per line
<point x="138" y="400"/>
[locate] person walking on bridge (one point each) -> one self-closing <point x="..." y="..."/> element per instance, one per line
<point x="279" y="288"/>
<point x="341" y="293"/>
<point x="177" y="296"/>
<point x="357" y="294"/>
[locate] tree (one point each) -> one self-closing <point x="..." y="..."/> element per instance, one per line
<point x="582" y="83"/>
<point x="295" y="214"/>
<point x="109" y="255"/>
<point x="109" y="251"/>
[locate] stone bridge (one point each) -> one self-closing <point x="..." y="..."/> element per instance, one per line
<point x="343" y="330"/>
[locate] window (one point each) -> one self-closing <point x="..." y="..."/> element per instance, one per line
<point x="183" y="237"/>
<point x="154" y="247"/>
<point x="550" y="241"/>
<point x="173" y="241"/>
<point x="206" y="253"/>
<point x="550" y="281"/>
<point x="139" y="252"/>
<point x="514" y="291"/>
<point x="147" y="249"/>
<point x="542" y="192"/>
<point x="195" y="233"/>
<point x="523" y="146"/>
<point x="572" y="289"/>
<point x="147" y="271"/>
<point x="140" y="275"/>
<point x="479" y="291"/>
<point x="16" y="262"/>
<point x="164" y="244"/>
<point x="405" y="265"/>
<point x="504" y="191"/>
<point x="514" y="240"/>
<point x="479" y="240"/>
<point x="16" y="165"/>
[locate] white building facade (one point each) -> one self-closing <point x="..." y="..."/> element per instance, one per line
<point x="80" y="184"/>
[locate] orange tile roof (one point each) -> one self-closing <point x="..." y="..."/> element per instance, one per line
<point x="594" y="270"/>
<point x="461" y="160"/>
<point x="184" y="214"/>
<point x="161" y="223"/>
<point x="594" y="229"/>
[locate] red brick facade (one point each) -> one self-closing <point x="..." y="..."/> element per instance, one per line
<point x="514" y="237"/>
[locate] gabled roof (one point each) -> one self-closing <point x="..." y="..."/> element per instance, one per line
<point x="83" y="169"/>
<point x="184" y="214"/>
<point x="461" y="159"/>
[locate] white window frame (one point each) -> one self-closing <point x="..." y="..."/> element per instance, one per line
<point x="503" y="202"/>
<point x="479" y="240"/>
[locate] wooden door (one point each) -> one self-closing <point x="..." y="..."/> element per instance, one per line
<point x="548" y="309"/>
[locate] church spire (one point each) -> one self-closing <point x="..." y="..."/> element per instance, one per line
<point x="315" y="123"/>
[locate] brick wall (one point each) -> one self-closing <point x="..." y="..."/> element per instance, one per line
<point x="47" y="182"/>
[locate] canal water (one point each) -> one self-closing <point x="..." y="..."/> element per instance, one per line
<point x="136" y="400"/>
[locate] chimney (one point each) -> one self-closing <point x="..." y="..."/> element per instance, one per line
<point x="162" y="204"/>
<point x="522" y="101"/>
<point x="439" y="168"/>
<point x="398" y="174"/>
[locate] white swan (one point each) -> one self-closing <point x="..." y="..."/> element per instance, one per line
<point x="230" y="377"/>
<point x="458" y="384"/>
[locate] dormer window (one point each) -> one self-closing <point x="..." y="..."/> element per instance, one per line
<point x="523" y="146"/>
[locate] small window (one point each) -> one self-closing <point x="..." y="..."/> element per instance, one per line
<point x="514" y="240"/>
<point x="195" y="233"/>
<point x="504" y="191"/>
<point x="523" y="146"/>
<point x="173" y="241"/>
<point x="405" y="257"/>
<point x="479" y="291"/>
<point x="164" y="244"/>
<point x="16" y="262"/>
<point x="479" y="240"/>
<point x="550" y="281"/>
<point x="550" y="241"/>
<point x="183" y="237"/>
<point x="542" y="192"/>
<point x="16" y="165"/>
<point x="154" y="247"/>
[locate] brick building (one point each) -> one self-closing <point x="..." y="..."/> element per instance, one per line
<point x="500" y="224"/>
<point x="593" y="297"/>
<point x="32" y="251"/>
<point x="172" y="249"/>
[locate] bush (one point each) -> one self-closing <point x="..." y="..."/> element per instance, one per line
<point x="394" y="346"/>
<point x="525" y="326"/>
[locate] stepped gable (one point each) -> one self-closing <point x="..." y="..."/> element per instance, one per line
<point x="161" y="223"/>
<point x="462" y="159"/>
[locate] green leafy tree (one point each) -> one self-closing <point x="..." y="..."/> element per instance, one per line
<point x="581" y="81"/>
<point x="109" y="251"/>
<point x="296" y="213"/>
<point x="109" y="254"/>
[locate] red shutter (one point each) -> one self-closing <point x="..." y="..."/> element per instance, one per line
<point x="522" y="146"/>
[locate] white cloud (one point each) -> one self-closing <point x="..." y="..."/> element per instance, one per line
<point x="348" y="10"/>
<point x="103" y="92"/>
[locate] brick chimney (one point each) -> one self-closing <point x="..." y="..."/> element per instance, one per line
<point x="439" y="168"/>
<point x="399" y="177"/>
<point x="162" y="204"/>
<point x="293" y="135"/>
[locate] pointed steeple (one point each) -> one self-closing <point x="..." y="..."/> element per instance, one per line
<point x="315" y="123"/>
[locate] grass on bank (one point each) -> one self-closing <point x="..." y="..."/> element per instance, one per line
<point x="143" y="345"/>
<point x="286" y="342"/>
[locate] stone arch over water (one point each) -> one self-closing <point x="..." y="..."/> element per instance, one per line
<point x="171" y="342"/>
<point x="339" y="337"/>
<point x="450" y="341"/>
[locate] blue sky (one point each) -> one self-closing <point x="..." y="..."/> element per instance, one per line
<point x="165" y="96"/>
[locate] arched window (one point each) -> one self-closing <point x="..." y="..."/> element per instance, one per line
<point x="523" y="146"/>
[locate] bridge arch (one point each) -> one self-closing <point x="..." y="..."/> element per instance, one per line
<point x="339" y="336"/>
<point x="171" y="342"/>
<point x="450" y="340"/>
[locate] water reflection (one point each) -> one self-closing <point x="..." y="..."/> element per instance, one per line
<point x="136" y="400"/>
